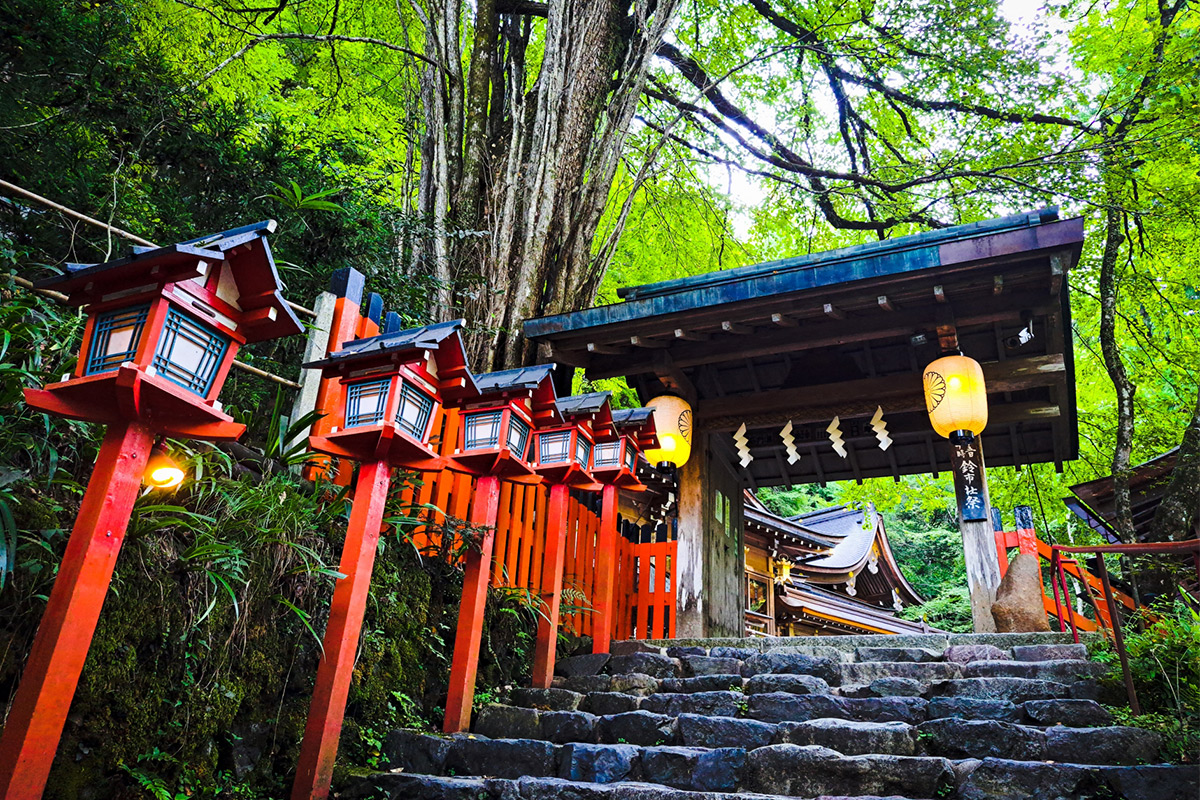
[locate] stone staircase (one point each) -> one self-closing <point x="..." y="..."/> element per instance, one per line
<point x="963" y="716"/>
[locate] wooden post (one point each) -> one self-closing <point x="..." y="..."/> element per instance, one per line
<point x="60" y="647"/>
<point x="461" y="694"/>
<point x="552" y="575"/>
<point x="347" y="286"/>
<point x="315" y="348"/>
<point x="319" y="748"/>
<point x="1026" y="537"/>
<point x="974" y="522"/>
<point x="606" y="565"/>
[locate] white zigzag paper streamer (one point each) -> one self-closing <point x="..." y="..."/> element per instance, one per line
<point x="835" y="436"/>
<point x="743" y="446"/>
<point x="789" y="443"/>
<point x="881" y="431"/>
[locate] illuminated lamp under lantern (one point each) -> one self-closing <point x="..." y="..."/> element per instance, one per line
<point x="498" y="426"/>
<point x="955" y="397"/>
<point x="562" y="452"/>
<point x="615" y="462"/>
<point x="394" y="385"/>
<point x="673" y="421"/>
<point x="161" y="470"/>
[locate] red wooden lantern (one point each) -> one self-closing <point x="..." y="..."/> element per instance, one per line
<point x="392" y="388"/>
<point x="562" y="450"/>
<point x="163" y="326"/>
<point x="614" y="462"/>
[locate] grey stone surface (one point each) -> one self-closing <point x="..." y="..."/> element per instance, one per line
<point x="584" y="684"/>
<point x="637" y="727"/>
<point x="1155" y="782"/>
<point x="589" y="664"/>
<point x="715" y="704"/>
<point x="1088" y="690"/>
<point x="695" y="730"/>
<point x="633" y="683"/>
<point x="869" y="671"/>
<point x="386" y="786"/>
<point x="1072" y="713"/>
<point x="972" y="708"/>
<point x="785" y="707"/>
<point x="965" y="653"/>
<point x="740" y="653"/>
<point x="999" y="779"/>
<point x="598" y="763"/>
<point x="981" y="738"/>
<point x="652" y="664"/>
<point x="897" y="687"/>
<point x="886" y="709"/>
<point x="682" y="652"/>
<point x="628" y="646"/>
<point x="414" y="751"/>
<point x="504" y="758"/>
<point x="851" y="737"/>
<point x="1018" y="606"/>
<point x="549" y="699"/>
<point x="911" y="654"/>
<point x="1115" y="745"/>
<point x="1061" y="671"/>
<point x="702" y="683"/>
<point x="1050" y="652"/>
<point x="809" y="771"/>
<point x="794" y="684"/>
<point x="1016" y="690"/>
<point x="707" y="665"/>
<point x="608" y="703"/>
<point x="777" y="663"/>
<point x="561" y="727"/>
<point x="694" y="768"/>
<point x="834" y="654"/>
<point x="507" y="722"/>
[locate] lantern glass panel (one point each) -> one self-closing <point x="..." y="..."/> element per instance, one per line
<point x="608" y="454"/>
<point x="554" y="448"/>
<point x="630" y="456"/>
<point x="115" y="338"/>
<point x="366" y="402"/>
<point x="518" y="434"/>
<point x="416" y="409"/>
<point x="483" y="430"/>
<point x="189" y="353"/>
<point x="583" y="451"/>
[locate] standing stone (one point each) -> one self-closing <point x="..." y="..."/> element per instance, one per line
<point x="1018" y="607"/>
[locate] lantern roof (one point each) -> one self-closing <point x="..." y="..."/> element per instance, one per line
<point x="243" y="251"/>
<point x="511" y="380"/>
<point x="638" y="423"/>
<point x="594" y="406"/>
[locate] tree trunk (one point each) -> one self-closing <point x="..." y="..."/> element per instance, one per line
<point x="1176" y="517"/>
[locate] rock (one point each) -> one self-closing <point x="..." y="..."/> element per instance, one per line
<point x="886" y="709"/>
<point x="1116" y="745"/>
<point x="694" y="768"/>
<point x="507" y="722"/>
<point x="585" y="684"/>
<point x="633" y="683"/>
<point x="1015" y="690"/>
<point x="605" y="704"/>
<point x="549" y="699"/>
<point x="965" y="653"/>
<point x="1155" y="783"/>
<point x="652" y="664"/>
<point x="562" y="727"/>
<point x="783" y="707"/>
<point x="1050" y="652"/>
<point x="695" y="730"/>
<point x="1071" y="713"/>
<point x="421" y="787"/>
<point x="683" y="652"/>
<point x="775" y="663"/>
<point x="981" y="738"/>
<point x="413" y="751"/>
<point x="795" y="684"/>
<point x="630" y="646"/>
<point x="1061" y="671"/>
<point x="816" y="651"/>
<point x="851" y="737"/>
<point x="897" y="687"/>
<point x="590" y="664"/>
<point x="598" y="763"/>
<point x="809" y="771"/>
<point x="740" y="653"/>
<point x="505" y="758"/>
<point x="971" y="708"/>
<point x="694" y="666"/>
<point x="703" y="683"/>
<point x="869" y="671"/>
<point x="714" y="704"/>
<point x="1088" y="690"/>
<point x="637" y="727"/>
<point x="909" y="654"/>
<point x="1018" y="607"/>
<point x="999" y="779"/>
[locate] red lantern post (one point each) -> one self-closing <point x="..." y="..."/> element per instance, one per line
<point x="163" y="326"/>
<point x="494" y="443"/>
<point x="391" y="388"/>
<point x="563" y="457"/>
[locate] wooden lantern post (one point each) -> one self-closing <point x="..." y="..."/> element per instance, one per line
<point x="392" y="387"/>
<point x="563" y="456"/>
<point x="163" y="326"/>
<point x="494" y="444"/>
<point x="614" y="464"/>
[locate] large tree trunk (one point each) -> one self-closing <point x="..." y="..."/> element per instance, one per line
<point x="1176" y="517"/>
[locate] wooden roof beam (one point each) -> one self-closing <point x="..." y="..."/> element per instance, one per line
<point x="736" y="328"/>
<point x="690" y="336"/>
<point x="834" y="312"/>
<point x="783" y="321"/>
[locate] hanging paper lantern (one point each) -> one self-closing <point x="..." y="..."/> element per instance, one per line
<point x="673" y="421"/>
<point x="955" y="395"/>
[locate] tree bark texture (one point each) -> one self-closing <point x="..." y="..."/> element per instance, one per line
<point x="1178" y="515"/>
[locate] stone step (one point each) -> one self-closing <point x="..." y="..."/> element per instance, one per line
<point x="868" y="671"/>
<point x="1061" y="670"/>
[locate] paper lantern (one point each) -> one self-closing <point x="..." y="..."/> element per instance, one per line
<point x="673" y="421"/>
<point x="955" y="396"/>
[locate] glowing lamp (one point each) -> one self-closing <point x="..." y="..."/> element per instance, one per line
<point x="497" y="426"/>
<point x="161" y="470"/>
<point x="615" y="462"/>
<point x="673" y="421"/>
<point x="955" y="396"/>
<point x="561" y="452"/>
<point x="394" y="386"/>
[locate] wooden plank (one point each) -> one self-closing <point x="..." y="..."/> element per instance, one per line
<point x="783" y="321"/>
<point x="834" y="312"/>
<point x="503" y="535"/>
